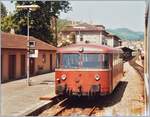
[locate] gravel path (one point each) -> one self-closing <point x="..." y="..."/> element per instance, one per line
<point x="132" y="101"/>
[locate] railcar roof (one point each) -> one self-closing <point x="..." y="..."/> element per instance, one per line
<point x="88" y="48"/>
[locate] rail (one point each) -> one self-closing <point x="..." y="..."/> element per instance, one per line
<point x="137" y="67"/>
<point x="140" y="70"/>
<point x="91" y="111"/>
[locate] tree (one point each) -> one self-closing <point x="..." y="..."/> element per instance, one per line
<point x="7" y="23"/>
<point x="72" y="37"/>
<point x="61" y="23"/>
<point x="3" y="10"/>
<point x="40" y="18"/>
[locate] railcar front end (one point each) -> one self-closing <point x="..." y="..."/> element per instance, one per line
<point x="83" y="74"/>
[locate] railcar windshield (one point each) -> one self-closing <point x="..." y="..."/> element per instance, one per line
<point x="70" y="60"/>
<point x="84" y="60"/>
<point x="95" y="61"/>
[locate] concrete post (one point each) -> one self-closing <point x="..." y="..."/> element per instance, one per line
<point x="146" y="57"/>
<point x="28" y="50"/>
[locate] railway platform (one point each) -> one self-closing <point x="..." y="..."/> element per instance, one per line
<point x="17" y="98"/>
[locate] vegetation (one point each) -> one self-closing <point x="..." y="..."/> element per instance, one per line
<point x="62" y="23"/>
<point x="3" y="10"/>
<point x="125" y="33"/>
<point x="7" y="23"/>
<point x="40" y="19"/>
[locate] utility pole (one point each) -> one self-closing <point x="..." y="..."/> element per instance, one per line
<point x="28" y="49"/>
<point x="29" y="8"/>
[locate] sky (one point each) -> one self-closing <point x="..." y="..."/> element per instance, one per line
<point x="111" y="14"/>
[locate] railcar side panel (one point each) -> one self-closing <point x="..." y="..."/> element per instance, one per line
<point x="117" y="71"/>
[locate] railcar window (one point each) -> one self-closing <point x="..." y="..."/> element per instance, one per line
<point x="58" y="61"/>
<point x="95" y="61"/>
<point x="73" y="61"/>
<point x="70" y="60"/>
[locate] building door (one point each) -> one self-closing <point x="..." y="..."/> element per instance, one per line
<point x="23" y="65"/>
<point x="51" y="62"/>
<point x="2" y="67"/>
<point x="32" y="66"/>
<point x="12" y="67"/>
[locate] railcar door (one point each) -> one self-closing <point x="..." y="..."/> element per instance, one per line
<point x="111" y="71"/>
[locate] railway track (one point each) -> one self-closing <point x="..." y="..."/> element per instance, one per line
<point x="78" y="111"/>
<point x="72" y="106"/>
<point x="75" y="111"/>
<point x="137" y="67"/>
<point x="57" y="108"/>
<point x="92" y="110"/>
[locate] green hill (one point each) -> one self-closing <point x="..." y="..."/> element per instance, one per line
<point x="127" y="34"/>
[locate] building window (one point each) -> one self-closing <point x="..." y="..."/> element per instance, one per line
<point x="105" y="42"/>
<point x="81" y="37"/>
<point x="44" y="58"/>
<point x="87" y="41"/>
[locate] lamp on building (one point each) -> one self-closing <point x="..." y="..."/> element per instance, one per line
<point x="29" y="8"/>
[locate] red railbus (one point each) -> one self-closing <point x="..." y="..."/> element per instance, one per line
<point x="87" y="70"/>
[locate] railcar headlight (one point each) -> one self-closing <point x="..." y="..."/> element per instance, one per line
<point x="57" y="79"/>
<point x="63" y="77"/>
<point x="97" y="77"/>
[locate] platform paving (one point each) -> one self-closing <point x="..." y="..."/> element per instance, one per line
<point x="17" y="97"/>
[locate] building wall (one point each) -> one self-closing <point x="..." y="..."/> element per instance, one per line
<point x="110" y="42"/>
<point x="45" y="64"/>
<point x="38" y="61"/>
<point x="5" y="62"/>
<point x="92" y="37"/>
<point x="116" y="43"/>
<point x="104" y="40"/>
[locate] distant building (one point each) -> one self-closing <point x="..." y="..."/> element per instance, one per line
<point x="113" y="40"/>
<point x="135" y="45"/>
<point x="14" y="52"/>
<point x="86" y="33"/>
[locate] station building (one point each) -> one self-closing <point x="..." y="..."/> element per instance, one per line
<point x="14" y="57"/>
